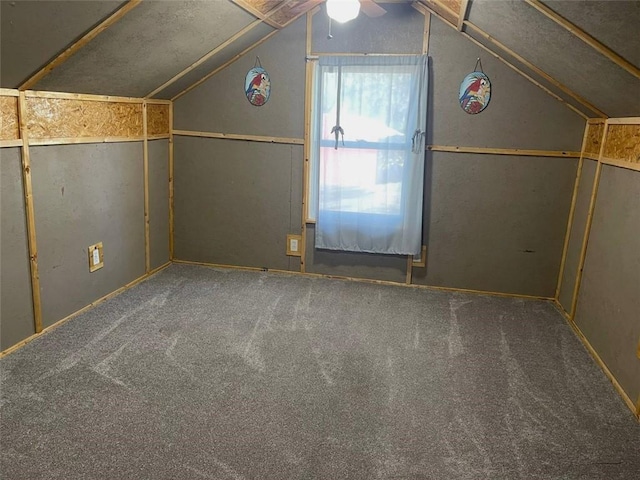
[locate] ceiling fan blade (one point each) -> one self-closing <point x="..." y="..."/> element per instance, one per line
<point x="371" y="8"/>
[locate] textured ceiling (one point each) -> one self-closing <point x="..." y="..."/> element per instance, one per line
<point x="33" y="32"/>
<point x="560" y="54"/>
<point x="614" y="23"/>
<point x="157" y="40"/>
<point x="147" y="47"/>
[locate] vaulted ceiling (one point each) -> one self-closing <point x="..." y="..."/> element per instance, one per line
<point x="586" y="53"/>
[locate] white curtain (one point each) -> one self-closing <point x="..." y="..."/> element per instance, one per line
<point x="368" y="150"/>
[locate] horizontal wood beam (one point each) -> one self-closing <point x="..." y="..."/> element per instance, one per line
<point x="585" y="37"/>
<point x="86" y="96"/>
<point x="77" y="140"/>
<point x="11" y="143"/>
<point x="317" y="55"/>
<point x="505" y="151"/>
<point x="8" y="92"/>
<point x="232" y="136"/>
<point x="624" y="121"/>
<point x="93" y="33"/>
<point x="620" y="163"/>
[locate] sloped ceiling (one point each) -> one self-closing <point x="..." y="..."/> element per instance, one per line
<point x="33" y="32"/>
<point x="154" y="42"/>
<point x="564" y="56"/>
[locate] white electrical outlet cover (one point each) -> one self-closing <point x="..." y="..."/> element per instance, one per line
<point x="294" y="244"/>
<point x="96" y="256"/>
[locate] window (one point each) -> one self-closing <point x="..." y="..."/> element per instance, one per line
<point x="368" y="129"/>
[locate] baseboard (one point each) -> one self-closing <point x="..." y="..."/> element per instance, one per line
<point x="635" y="409"/>
<point x="367" y="280"/>
<point x="22" y="343"/>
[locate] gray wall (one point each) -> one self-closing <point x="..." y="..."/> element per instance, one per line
<point x="495" y="222"/>
<point x="528" y="195"/>
<point x="576" y="236"/>
<point x="84" y="194"/>
<point x="235" y="203"/>
<point x="608" y="311"/>
<point x="16" y="308"/>
<point x="159" y="202"/>
<point x="220" y="104"/>
<point x="519" y="115"/>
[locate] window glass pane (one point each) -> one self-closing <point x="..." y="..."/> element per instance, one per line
<point x="361" y="180"/>
<point x="365" y="173"/>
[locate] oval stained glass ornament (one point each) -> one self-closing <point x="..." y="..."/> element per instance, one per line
<point x="257" y="86"/>
<point x="475" y="93"/>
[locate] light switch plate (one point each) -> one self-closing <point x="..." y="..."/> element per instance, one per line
<point x="96" y="257"/>
<point x="294" y="245"/>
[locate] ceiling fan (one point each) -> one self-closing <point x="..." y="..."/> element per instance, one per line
<point x="345" y="10"/>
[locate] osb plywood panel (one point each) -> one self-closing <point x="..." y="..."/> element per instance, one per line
<point x="66" y="118"/>
<point x="451" y="4"/>
<point x="594" y="139"/>
<point x="259" y="6"/>
<point x="437" y="6"/>
<point x="9" y="128"/>
<point x="292" y="11"/>
<point x="157" y="119"/>
<point x="623" y="143"/>
<point x="283" y="16"/>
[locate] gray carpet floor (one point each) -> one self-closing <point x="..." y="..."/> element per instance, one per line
<point x="222" y="374"/>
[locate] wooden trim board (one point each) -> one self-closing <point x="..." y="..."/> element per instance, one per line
<point x="30" y="214"/>
<point x="76" y="140"/>
<point x="82" y="96"/>
<point x="462" y="16"/>
<point x="60" y="322"/>
<point x="93" y="33"/>
<point x="11" y="143"/>
<point x="585" y="37"/>
<point x="171" y="218"/>
<point x="145" y="180"/>
<point x="409" y="277"/>
<point x="620" y="163"/>
<point x="624" y="121"/>
<point x="8" y="92"/>
<point x="308" y="87"/>
<point x="572" y="209"/>
<point x="367" y="280"/>
<point x="596" y="358"/>
<point x="423" y="258"/>
<point x="504" y="151"/>
<point x="587" y="229"/>
<point x="233" y="136"/>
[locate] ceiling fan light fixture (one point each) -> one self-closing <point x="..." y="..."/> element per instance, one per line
<point x="343" y="10"/>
